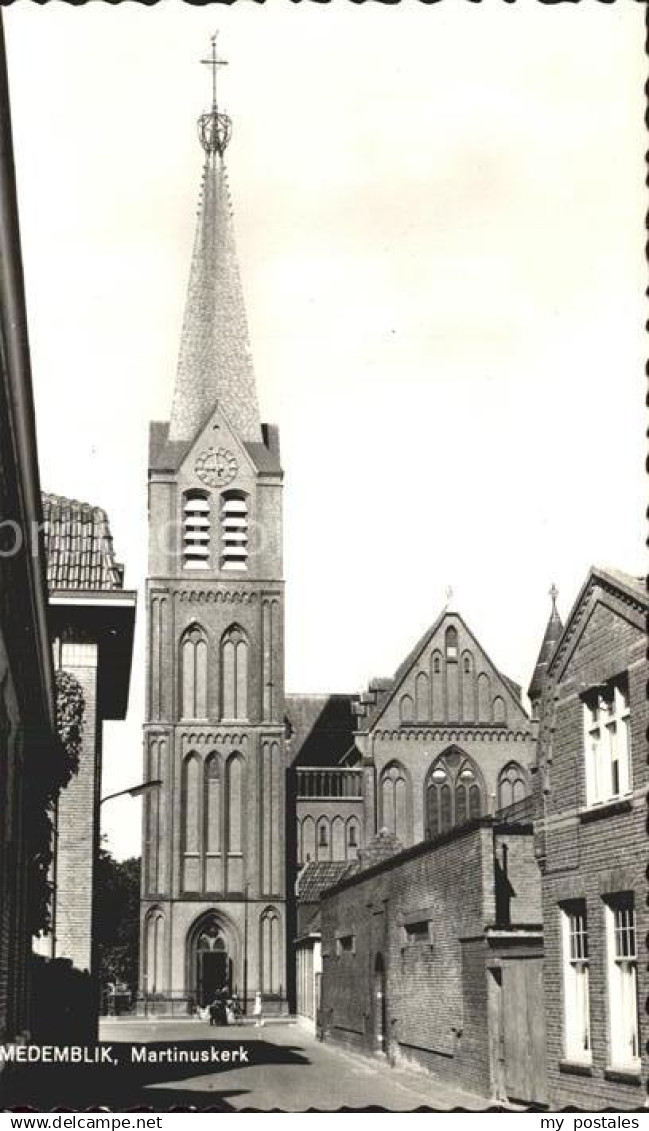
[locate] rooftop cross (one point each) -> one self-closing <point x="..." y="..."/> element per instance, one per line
<point x="214" y="129"/>
<point x="554" y="593"/>
<point x="214" y="63"/>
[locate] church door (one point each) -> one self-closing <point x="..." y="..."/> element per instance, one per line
<point x="213" y="967"/>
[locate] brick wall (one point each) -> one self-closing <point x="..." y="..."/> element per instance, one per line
<point x="75" y="828"/>
<point x="436" y="985"/>
<point x="592" y="854"/>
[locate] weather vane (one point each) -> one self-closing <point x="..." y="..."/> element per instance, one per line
<point x="214" y="129"/>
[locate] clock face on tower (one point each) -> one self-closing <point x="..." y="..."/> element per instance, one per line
<point x="216" y="467"/>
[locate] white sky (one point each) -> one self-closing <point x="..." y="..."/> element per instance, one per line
<point x="440" y="220"/>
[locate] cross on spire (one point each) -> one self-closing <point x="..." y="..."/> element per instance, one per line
<point x="554" y="593"/>
<point x="214" y="128"/>
<point x="214" y="63"/>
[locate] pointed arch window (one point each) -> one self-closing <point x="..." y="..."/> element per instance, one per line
<point x="193" y="665"/>
<point x="234" y="530"/>
<point x="234" y="808"/>
<point x="212" y="796"/>
<point x="196" y="530"/>
<point x="270" y="957"/>
<point x="395" y="801"/>
<point x="234" y="669"/>
<point x="191" y="804"/>
<point x="154" y="953"/>
<point x="454" y="793"/>
<point x="512" y="785"/>
<point x="308" y="851"/>
<point x="352" y="838"/>
<point x="407" y="709"/>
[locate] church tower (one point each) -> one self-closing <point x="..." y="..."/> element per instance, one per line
<point x="213" y="860"/>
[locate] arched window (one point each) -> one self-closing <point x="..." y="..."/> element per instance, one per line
<point x="234" y="674"/>
<point x="437" y="663"/>
<point x="308" y="851"/>
<point x="468" y="688"/>
<point x="352" y="838"/>
<point x="234" y="530"/>
<point x="454" y="792"/>
<point x="323" y="849"/>
<point x="484" y="698"/>
<point x="154" y="953"/>
<point x="450" y="640"/>
<point x="212" y="796"/>
<point x="512" y="785"/>
<point x="421" y="698"/>
<point x="406" y="709"/>
<point x="196" y="530"/>
<point x="234" y="802"/>
<point x="337" y="839"/>
<point x="394" y="793"/>
<point x="191" y="785"/>
<point x="193" y="666"/>
<point x="270" y="948"/>
<point x="500" y="711"/>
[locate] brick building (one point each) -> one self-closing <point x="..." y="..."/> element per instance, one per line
<point x="214" y="847"/>
<point x="31" y="760"/>
<point x="92" y="620"/>
<point x="432" y="956"/>
<point x="592" y="848"/>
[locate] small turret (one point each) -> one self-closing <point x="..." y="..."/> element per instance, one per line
<point x="550" y="640"/>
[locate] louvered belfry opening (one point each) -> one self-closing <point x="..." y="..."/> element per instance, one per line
<point x="196" y="530"/>
<point x="234" y="530"/>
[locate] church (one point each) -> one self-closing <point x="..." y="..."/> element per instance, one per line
<point x="258" y="786"/>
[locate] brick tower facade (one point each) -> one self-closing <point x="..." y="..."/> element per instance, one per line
<point x="213" y="862"/>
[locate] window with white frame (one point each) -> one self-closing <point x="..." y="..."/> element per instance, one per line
<point x="622" y="963"/>
<point x="606" y="741"/>
<point x="196" y="530"/>
<point x="576" y="1015"/>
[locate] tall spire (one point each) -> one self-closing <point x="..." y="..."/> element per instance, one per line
<point x="214" y="360"/>
<point x="550" y="640"/>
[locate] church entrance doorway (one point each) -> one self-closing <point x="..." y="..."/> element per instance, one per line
<point x="212" y="964"/>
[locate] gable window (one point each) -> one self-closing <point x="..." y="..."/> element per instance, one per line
<point x="606" y="742"/>
<point x="622" y="984"/>
<point x="196" y="530"/>
<point x="451" y="643"/>
<point x="234" y="530"/>
<point x="576" y="1010"/>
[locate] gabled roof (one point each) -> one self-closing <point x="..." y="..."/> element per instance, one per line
<point x="79" y="546"/>
<point x="318" y="875"/>
<point x="385" y="695"/>
<point x="632" y="590"/>
<point x="214" y="360"/>
<point x="321" y="728"/>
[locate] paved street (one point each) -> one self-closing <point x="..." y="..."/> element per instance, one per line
<point x="288" y="1069"/>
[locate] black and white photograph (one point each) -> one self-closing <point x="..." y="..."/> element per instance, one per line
<point x="323" y="650"/>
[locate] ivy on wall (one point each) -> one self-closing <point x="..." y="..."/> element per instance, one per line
<point x="70" y="707"/>
<point x="55" y="769"/>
